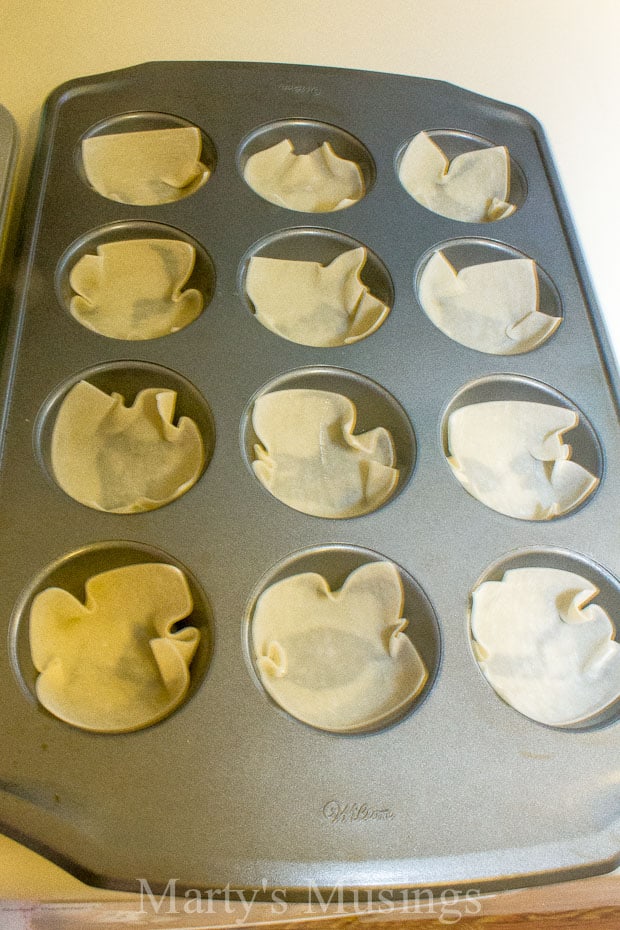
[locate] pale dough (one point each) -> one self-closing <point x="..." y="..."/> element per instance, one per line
<point x="544" y="647"/>
<point x="474" y="187"/>
<point x="309" y="458"/>
<point x="133" y="289"/>
<point x="338" y="660"/>
<point x="491" y="307"/>
<point x="115" y="662"/>
<point x="124" y="459"/>
<point x="145" y="168"/>
<point x="313" y="304"/>
<point x="317" y="182"/>
<point x="510" y="456"/>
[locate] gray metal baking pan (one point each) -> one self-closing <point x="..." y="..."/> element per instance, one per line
<point x="461" y="792"/>
<point x="8" y="158"/>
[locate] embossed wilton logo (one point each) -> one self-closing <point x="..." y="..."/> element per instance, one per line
<point x="340" y="812"/>
<point x="301" y="90"/>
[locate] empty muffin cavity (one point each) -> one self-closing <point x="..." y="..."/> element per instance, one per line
<point x="125" y="437"/>
<point x="461" y="176"/>
<point x="504" y="439"/>
<point x="328" y="442"/>
<point x="487" y="296"/>
<point x="111" y="638"/>
<point x="145" y="158"/>
<point x="306" y="165"/>
<point x="342" y="639"/>
<point x="316" y="287"/>
<point x="135" y="280"/>
<point x="543" y="624"/>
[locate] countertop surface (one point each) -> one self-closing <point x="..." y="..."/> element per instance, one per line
<point x="556" y="58"/>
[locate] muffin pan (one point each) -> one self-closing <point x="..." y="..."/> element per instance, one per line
<point x="458" y="789"/>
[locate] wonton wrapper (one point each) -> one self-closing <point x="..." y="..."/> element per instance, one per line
<point x="474" y="187"/>
<point x="544" y="648"/>
<point x="124" y="459"/>
<point x="510" y="456"/>
<point x="310" y="459"/>
<point x="134" y="289"/>
<point x="145" y="168"/>
<point x="114" y="663"/>
<point x="337" y="660"/>
<point x="318" y="182"/>
<point x="314" y="304"/>
<point x="492" y="307"/>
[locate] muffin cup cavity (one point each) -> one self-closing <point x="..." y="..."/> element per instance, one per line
<point x="466" y="252"/>
<point x="455" y="142"/>
<point x="147" y="121"/>
<point x="583" y="440"/>
<point x="533" y="463"/>
<point x="201" y="279"/>
<point x="127" y="378"/>
<point x="306" y="136"/>
<point x="375" y="408"/>
<point x="71" y="572"/>
<point x="555" y="558"/>
<point x="321" y="246"/>
<point x="335" y="563"/>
